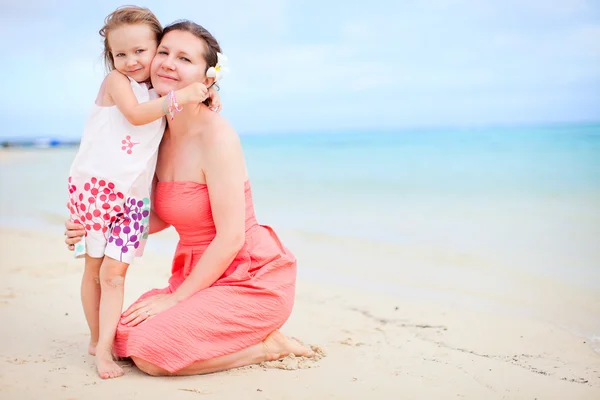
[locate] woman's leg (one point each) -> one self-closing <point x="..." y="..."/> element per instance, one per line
<point x="112" y="281"/>
<point x="90" y="298"/>
<point x="274" y="347"/>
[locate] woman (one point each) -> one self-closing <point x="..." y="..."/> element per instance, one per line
<point x="233" y="282"/>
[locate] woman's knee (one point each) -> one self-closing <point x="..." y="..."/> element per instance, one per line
<point x="149" y="368"/>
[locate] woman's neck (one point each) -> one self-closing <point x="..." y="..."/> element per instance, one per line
<point x="189" y="120"/>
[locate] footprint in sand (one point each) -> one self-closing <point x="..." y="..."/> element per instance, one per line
<point x="350" y="342"/>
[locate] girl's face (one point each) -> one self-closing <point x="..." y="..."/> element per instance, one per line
<point x="179" y="61"/>
<point x="133" y="47"/>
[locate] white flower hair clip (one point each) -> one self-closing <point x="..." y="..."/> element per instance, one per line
<point x="219" y="70"/>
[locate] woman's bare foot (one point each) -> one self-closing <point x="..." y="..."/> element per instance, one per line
<point x="277" y="346"/>
<point x="92" y="348"/>
<point x="107" y="367"/>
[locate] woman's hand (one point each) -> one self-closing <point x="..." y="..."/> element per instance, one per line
<point x="147" y="308"/>
<point x="73" y="234"/>
<point x="215" y="100"/>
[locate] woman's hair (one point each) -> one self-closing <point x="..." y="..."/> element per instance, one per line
<point x="127" y="15"/>
<point x="211" y="48"/>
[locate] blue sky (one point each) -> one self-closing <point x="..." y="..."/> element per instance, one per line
<point x="310" y="65"/>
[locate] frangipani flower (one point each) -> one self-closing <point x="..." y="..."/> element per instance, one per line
<point x="219" y="70"/>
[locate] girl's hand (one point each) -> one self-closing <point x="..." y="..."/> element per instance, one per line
<point x="73" y="234"/>
<point x="215" y="100"/>
<point x="147" y="308"/>
<point x="193" y="93"/>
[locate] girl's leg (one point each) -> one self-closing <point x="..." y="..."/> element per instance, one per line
<point x="274" y="347"/>
<point x="112" y="281"/>
<point x="90" y="298"/>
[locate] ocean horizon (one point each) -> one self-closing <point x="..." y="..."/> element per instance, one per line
<point x="45" y="140"/>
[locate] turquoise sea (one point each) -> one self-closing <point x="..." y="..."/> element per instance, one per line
<point x="527" y="198"/>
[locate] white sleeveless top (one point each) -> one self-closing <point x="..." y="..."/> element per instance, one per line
<point x="113" y="149"/>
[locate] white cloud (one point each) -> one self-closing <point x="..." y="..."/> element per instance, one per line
<point x="29" y="8"/>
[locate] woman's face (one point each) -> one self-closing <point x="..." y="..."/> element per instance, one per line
<point x="179" y="61"/>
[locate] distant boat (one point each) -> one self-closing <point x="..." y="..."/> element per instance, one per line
<point x="39" y="143"/>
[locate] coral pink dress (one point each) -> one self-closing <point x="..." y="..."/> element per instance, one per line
<point x="252" y="298"/>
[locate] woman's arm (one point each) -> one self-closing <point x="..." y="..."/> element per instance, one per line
<point x="225" y="174"/>
<point x="156" y="223"/>
<point x="119" y="90"/>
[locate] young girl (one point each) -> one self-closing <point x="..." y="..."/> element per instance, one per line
<point x="111" y="177"/>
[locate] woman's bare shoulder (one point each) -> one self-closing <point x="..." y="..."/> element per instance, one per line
<point x="220" y="132"/>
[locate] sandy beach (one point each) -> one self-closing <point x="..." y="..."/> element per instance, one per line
<point x="374" y="346"/>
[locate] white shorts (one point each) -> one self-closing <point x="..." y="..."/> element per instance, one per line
<point x="119" y="231"/>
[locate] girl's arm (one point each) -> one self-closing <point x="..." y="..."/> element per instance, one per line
<point x="225" y="177"/>
<point x="119" y="90"/>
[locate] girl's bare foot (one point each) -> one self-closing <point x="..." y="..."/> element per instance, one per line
<point x="277" y="346"/>
<point x="92" y="348"/>
<point x="107" y="367"/>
